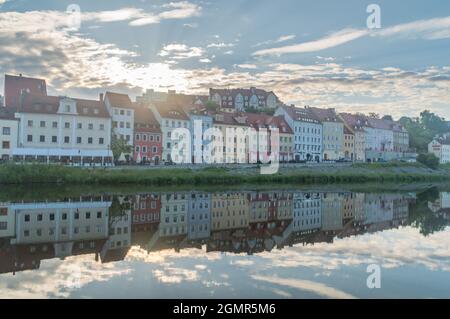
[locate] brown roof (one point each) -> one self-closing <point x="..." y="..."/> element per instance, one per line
<point x="301" y="114"/>
<point x="347" y="131"/>
<point x="230" y="119"/>
<point x="325" y="115"/>
<point x="380" y="124"/>
<point x="145" y="119"/>
<point x="264" y="120"/>
<point x="119" y="100"/>
<point x="170" y="110"/>
<point x="50" y="104"/>
<point x="16" y="85"/>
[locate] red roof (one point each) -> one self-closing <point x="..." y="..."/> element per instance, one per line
<point x="50" y="104"/>
<point x="264" y="120"/>
<point x="16" y="85"/>
<point x="119" y="100"/>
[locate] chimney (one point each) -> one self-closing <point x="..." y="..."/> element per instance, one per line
<point x="100" y="97"/>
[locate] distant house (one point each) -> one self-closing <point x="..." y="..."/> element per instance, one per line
<point x="151" y="96"/>
<point x="441" y="148"/>
<point x="238" y="100"/>
<point x="16" y="85"/>
<point x="354" y="123"/>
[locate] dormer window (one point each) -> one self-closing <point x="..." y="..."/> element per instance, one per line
<point x="68" y="108"/>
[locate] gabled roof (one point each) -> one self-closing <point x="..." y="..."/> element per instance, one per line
<point x="380" y="124"/>
<point x="16" y="85"/>
<point x="170" y="110"/>
<point x="119" y="100"/>
<point x="355" y="122"/>
<point x="325" y="115"/>
<point x="50" y="104"/>
<point x="301" y="114"/>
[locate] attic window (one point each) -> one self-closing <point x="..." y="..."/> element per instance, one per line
<point x="68" y="108"/>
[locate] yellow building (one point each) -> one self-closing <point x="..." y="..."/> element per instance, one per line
<point x="229" y="211"/>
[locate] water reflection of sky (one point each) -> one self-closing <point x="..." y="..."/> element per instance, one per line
<point x="232" y="244"/>
<point x="412" y="266"/>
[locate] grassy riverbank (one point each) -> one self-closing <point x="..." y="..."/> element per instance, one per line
<point x="357" y="173"/>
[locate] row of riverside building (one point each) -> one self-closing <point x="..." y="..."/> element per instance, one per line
<point x="38" y="127"/>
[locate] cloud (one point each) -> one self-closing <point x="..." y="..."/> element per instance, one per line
<point x="431" y="29"/>
<point x="180" y="51"/>
<point x="327" y="42"/>
<point x="285" y="38"/>
<point x="247" y="66"/>
<point x="315" y="287"/>
<point x="180" y="10"/>
<point x="220" y="45"/>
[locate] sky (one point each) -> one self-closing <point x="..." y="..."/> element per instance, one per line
<point x="319" y="53"/>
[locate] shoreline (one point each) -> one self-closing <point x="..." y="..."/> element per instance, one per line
<point x="35" y="174"/>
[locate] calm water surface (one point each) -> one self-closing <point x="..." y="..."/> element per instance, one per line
<point x="227" y="244"/>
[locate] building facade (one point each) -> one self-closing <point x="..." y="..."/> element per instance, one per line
<point x="121" y="110"/>
<point x="62" y="129"/>
<point x="147" y="137"/>
<point x="333" y="133"/>
<point x="307" y="131"/>
<point x="171" y="117"/>
<point x="441" y="148"/>
<point x="8" y="133"/>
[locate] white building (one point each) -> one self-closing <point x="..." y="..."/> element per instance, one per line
<point x="307" y="212"/>
<point x="199" y="216"/>
<point x="62" y="129"/>
<point x="121" y="110"/>
<point x="307" y="132"/>
<point x="171" y="117"/>
<point x="441" y="148"/>
<point x="333" y="133"/>
<point x="7" y="221"/>
<point x="57" y="222"/>
<point x="8" y="133"/>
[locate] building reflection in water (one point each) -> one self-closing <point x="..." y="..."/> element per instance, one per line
<point x="238" y="222"/>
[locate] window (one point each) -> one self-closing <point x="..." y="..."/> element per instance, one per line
<point x="30" y="123"/>
<point x="80" y="126"/>
<point x="52" y="216"/>
<point x="39" y="217"/>
<point x="128" y="125"/>
<point x="42" y="138"/>
<point x="66" y="139"/>
<point x="29" y="138"/>
<point x="77" y="215"/>
<point x="3" y="225"/>
<point x="42" y="124"/>
<point x="67" y="125"/>
<point x="122" y="112"/>
<point x="102" y="127"/>
<point x="6" y="131"/>
<point x="101" y="141"/>
<point x="54" y="139"/>
<point x="91" y="126"/>
<point x="88" y="215"/>
<point x="64" y="216"/>
<point x="27" y="218"/>
<point x="79" y="140"/>
<point x="5" y="145"/>
<point x="68" y="108"/>
<point x="99" y="214"/>
<point x="129" y="113"/>
<point x="55" y="124"/>
<point x="89" y="140"/>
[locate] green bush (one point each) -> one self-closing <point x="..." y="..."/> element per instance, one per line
<point x="428" y="159"/>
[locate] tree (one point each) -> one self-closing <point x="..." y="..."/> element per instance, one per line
<point x="212" y="106"/>
<point x="374" y="115"/>
<point x="428" y="159"/>
<point x="388" y="118"/>
<point x="119" y="146"/>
